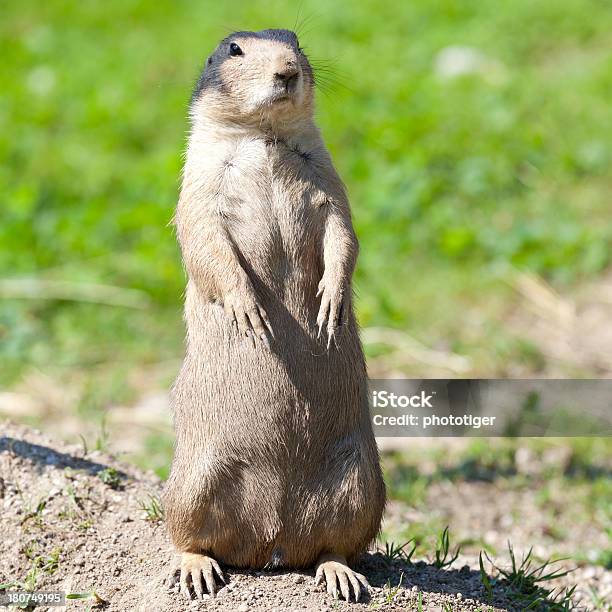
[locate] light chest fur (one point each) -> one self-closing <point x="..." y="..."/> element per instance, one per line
<point x="272" y="194"/>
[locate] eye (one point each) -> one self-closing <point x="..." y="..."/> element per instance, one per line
<point x="235" y="50"/>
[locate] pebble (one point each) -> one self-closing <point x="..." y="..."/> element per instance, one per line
<point x="589" y="572"/>
<point x="291" y="586"/>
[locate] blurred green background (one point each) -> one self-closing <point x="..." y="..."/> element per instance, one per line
<point x="475" y="139"/>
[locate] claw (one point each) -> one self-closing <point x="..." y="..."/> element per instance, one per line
<point x="331" y="311"/>
<point x="332" y="587"/>
<point x="219" y="571"/>
<point x="356" y="587"/>
<point x="197" y="572"/>
<point x="264" y="316"/>
<point x="334" y="571"/>
<point x="331" y="335"/>
<point x="344" y="586"/>
<point x="184" y="586"/>
<point x="210" y="582"/>
<point x="196" y="580"/>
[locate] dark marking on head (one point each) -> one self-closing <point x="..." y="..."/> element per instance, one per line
<point x="210" y="74"/>
<point x="286" y="36"/>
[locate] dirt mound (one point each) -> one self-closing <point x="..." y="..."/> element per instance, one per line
<point x="80" y="522"/>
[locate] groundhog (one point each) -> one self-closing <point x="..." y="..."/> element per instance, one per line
<point x="275" y="463"/>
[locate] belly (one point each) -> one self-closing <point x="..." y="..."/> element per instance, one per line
<point x="279" y="239"/>
<point x="231" y="380"/>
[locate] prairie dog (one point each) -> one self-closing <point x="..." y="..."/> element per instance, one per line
<point x="275" y="461"/>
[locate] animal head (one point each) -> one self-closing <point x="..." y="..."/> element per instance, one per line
<point x="254" y="78"/>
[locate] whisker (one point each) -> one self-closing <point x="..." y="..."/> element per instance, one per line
<point x="331" y="80"/>
<point x="307" y="21"/>
<point x="229" y="30"/>
<point x="297" y="16"/>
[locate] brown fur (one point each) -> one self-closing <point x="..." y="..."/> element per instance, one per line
<point x="275" y="459"/>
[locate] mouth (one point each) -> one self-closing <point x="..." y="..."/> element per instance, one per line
<point x="285" y="92"/>
<point x="291" y="84"/>
<point x="281" y="96"/>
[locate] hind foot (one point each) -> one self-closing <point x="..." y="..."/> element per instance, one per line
<point x="334" y="570"/>
<point x="197" y="572"/>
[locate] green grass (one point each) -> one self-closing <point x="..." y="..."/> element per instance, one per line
<point x="444" y="556"/>
<point x="152" y="509"/>
<point x="111" y="477"/>
<point x="569" y="479"/>
<point x="394" y="552"/>
<point x="453" y="182"/>
<point x="526" y="583"/>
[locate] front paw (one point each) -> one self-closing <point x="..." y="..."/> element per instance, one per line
<point x="333" y="311"/>
<point x="248" y="315"/>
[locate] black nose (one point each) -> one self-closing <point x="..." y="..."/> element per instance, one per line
<point x="286" y="74"/>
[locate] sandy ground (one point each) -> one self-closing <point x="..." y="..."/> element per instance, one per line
<point x="82" y="534"/>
